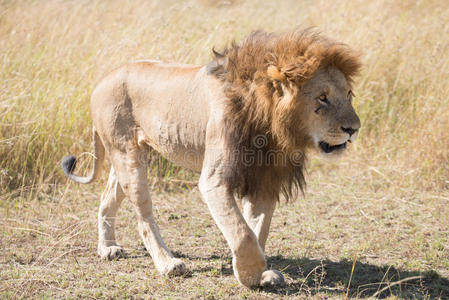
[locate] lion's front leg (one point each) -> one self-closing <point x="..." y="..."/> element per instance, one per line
<point x="258" y="212"/>
<point x="248" y="259"/>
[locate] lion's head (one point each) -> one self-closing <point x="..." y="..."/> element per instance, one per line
<point x="329" y="119"/>
<point x="294" y="89"/>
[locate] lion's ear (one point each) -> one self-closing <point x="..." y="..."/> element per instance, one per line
<point x="275" y="74"/>
<point x="219" y="64"/>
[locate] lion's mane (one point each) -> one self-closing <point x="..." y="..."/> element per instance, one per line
<point x="252" y="73"/>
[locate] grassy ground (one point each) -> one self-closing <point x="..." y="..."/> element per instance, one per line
<point x="385" y="207"/>
<point x="49" y="244"/>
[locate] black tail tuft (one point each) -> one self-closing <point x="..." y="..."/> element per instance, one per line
<point x="68" y="164"/>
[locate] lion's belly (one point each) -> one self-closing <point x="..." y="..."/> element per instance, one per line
<point x="183" y="148"/>
<point x="179" y="139"/>
<point x="184" y="158"/>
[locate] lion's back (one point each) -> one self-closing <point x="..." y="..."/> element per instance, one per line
<point x="168" y="103"/>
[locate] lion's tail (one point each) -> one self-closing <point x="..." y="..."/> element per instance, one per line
<point x="68" y="163"/>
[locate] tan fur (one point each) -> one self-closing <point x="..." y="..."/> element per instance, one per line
<point x="205" y="118"/>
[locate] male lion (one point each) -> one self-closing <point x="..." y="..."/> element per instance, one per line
<point x="245" y="121"/>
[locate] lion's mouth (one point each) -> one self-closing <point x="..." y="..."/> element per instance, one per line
<point x="328" y="148"/>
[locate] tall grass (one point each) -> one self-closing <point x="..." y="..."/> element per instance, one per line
<point x="53" y="53"/>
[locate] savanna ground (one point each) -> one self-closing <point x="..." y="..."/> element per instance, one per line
<point x="385" y="206"/>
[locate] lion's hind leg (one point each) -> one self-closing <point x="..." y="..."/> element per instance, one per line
<point x="110" y="202"/>
<point x="131" y="168"/>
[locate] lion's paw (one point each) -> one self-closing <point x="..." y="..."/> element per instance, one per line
<point x="272" y="278"/>
<point x="111" y="252"/>
<point x="174" y="267"/>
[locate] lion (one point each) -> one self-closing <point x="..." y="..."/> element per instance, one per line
<point x="245" y="121"/>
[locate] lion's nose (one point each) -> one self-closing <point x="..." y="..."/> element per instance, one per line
<point x="349" y="130"/>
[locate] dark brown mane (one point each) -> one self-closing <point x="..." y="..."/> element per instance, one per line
<point x="252" y="73"/>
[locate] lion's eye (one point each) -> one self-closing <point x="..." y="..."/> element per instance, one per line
<point x="323" y="99"/>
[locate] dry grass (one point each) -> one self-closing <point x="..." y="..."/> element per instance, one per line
<point x="53" y="53"/>
<point x="49" y="245"/>
<point x="387" y="204"/>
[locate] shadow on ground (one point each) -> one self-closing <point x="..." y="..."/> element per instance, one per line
<point x="310" y="276"/>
